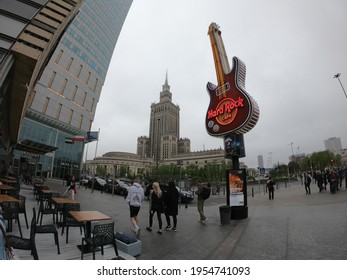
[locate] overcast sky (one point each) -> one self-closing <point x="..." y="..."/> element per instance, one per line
<point x="291" y="48"/>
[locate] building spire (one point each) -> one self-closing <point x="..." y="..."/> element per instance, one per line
<point x="166" y="80"/>
<point x="165" y="93"/>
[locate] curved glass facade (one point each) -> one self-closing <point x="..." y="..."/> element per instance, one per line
<point x="66" y="95"/>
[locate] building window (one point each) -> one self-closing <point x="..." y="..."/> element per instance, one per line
<point x="45" y="105"/>
<point x="63" y="87"/>
<point x="52" y="79"/>
<point x="59" y="56"/>
<point x="58" y="111"/>
<point x="88" y="78"/>
<point x="84" y="99"/>
<point x="81" y="121"/>
<point x="69" y="64"/>
<point x="70" y="117"/>
<point x="79" y="71"/>
<point x="74" y="93"/>
<point x="96" y="83"/>
<point x="92" y="105"/>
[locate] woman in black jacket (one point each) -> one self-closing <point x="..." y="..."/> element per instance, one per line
<point x="156" y="206"/>
<point x="171" y="197"/>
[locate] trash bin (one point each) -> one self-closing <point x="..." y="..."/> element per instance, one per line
<point x="225" y="214"/>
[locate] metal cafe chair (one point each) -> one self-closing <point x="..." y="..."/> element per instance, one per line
<point x="68" y="221"/>
<point x="45" y="207"/>
<point x="11" y="212"/>
<point x="50" y="228"/>
<point x="103" y="234"/>
<point x="22" y="208"/>
<point x="26" y="243"/>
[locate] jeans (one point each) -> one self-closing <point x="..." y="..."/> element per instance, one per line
<point x="201" y="209"/>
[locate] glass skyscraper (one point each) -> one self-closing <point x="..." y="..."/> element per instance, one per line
<point x="64" y="99"/>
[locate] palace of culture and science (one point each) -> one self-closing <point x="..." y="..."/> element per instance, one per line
<point x="163" y="146"/>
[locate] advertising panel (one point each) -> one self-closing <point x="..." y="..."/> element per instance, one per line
<point x="234" y="145"/>
<point x="237" y="187"/>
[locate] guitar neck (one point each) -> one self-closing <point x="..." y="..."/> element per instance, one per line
<point x="219" y="54"/>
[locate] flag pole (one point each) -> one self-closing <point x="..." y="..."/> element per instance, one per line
<point x="85" y="164"/>
<point x="96" y="149"/>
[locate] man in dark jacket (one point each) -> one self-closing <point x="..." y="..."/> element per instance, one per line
<point x="170" y="198"/>
<point x="201" y="202"/>
<point x="270" y="184"/>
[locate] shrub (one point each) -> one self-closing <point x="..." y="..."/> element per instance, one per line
<point x="125" y="238"/>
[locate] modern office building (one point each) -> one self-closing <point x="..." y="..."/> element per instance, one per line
<point x="62" y="93"/>
<point x="333" y="144"/>
<point x="260" y="161"/>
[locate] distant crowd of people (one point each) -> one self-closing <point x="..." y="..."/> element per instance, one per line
<point x="331" y="178"/>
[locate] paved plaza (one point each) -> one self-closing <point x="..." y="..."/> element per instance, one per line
<point x="292" y="226"/>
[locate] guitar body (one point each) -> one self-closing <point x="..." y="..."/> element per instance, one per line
<point x="231" y="108"/>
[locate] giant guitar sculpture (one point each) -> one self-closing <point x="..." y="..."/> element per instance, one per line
<point x="231" y="108"/>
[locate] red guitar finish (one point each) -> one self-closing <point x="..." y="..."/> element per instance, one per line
<point x="231" y="108"/>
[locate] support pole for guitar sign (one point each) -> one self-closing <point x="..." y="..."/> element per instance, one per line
<point x="236" y="177"/>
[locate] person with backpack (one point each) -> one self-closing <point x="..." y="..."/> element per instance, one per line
<point x="203" y="193"/>
<point x="270" y="184"/>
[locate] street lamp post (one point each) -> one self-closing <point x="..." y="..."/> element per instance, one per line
<point x="337" y="76"/>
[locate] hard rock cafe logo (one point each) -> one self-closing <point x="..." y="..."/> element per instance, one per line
<point x="226" y="110"/>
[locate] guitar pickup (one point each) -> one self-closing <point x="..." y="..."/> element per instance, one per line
<point x="222" y="89"/>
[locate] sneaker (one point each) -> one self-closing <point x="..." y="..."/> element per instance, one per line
<point x="149" y="228"/>
<point x="174" y="229"/>
<point x="137" y="230"/>
<point x="159" y="232"/>
<point x="168" y="228"/>
<point x="204" y="221"/>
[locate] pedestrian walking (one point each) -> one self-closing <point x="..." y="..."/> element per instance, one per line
<point x="156" y="206"/>
<point x="134" y="199"/>
<point x="319" y="179"/>
<point x="270" y="184"/>
<point x="203" y="193"/>
<point x="170" y="198"/>
<point x="307" y="182"/>
<point x="333" y="181"/>
<point x="70" y="187"/>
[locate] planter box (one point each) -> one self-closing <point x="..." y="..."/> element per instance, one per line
<point x="133" y="249"/>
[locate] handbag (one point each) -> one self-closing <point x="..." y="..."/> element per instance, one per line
<point x="10" y="252"/>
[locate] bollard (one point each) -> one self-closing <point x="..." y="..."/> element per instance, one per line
<point x="252" y="192"/>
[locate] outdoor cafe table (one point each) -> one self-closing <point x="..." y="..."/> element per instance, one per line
<point x="8" y="198"/>
<point x="63" y="200"/>
<point x="60" y="202"/>
<point x="49" y="191"/>
<point x="9" y="182"/>
<point x="4" y="188"/>
<point x="88" y="217"/>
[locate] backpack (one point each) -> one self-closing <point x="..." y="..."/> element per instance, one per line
<point x="270" y="185"/>
<point x="205" y="194"/>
